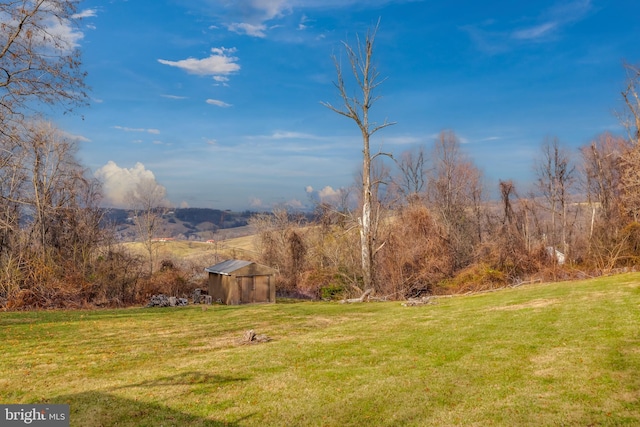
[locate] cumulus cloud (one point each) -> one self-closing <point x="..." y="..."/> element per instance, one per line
<point x="254" y="202"/>
<point x="117" y="182"/>
<point x="327" y="195"/>
<point x="294" y="204"/>
<point x="221" y="62"/>
<point x="218" y="103"/>
<point x="60" y="35"/>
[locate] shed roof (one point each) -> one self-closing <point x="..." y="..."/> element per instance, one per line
<point x="227" y="267"/>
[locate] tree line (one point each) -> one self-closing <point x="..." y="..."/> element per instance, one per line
<point x="415" y="223"/>
<point x="55" y="250"/>
<point x="423" y="222"/>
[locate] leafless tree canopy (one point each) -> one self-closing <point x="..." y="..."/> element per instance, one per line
<point x="357" y="108"/>
<point x="630" y="117"/>
<point x="556" y="180"/>
<point x="39" y="56"/>
<point x="49" y="219"/>
<point x="454" y="193"/>
<point x="149" y="204"/>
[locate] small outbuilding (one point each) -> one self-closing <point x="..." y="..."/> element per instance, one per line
<point x="241" y="282"/>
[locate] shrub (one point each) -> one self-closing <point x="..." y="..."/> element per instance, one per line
<point x="332" y="292"/>
<point x="475" y="278"/>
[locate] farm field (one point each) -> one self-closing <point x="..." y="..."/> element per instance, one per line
<point x="234" y="247"/>
<point x="547" y="354"/>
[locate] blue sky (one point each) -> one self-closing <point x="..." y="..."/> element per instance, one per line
<point x="220" y="100"/>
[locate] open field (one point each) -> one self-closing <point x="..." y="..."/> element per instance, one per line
<point x="549" y="354"/>
<point x="235" y="247"/>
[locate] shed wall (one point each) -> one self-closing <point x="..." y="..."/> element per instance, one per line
<point x="232" y="289"/>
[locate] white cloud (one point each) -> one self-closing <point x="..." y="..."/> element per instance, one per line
<point x="288" y="135"/>
<point x="218" y="103"/>
<point x="254" y="14"/>
<point x="536" y="32"/>
<point x="294" y="204"/>
<point x="248" y="29"/>
<point x="221" y="62"/>
<point x="173" y="97"/>
<point x="127" y="129"/>
<point x="327" y="195"/>
<point x="254" y="202"/>
<point x="87" y="13"/>
<point x="546" y="27"/>
<point x="74" y="137"/>
<point x="60" y="35"/>
<point x="402" y="140"/>
<point x="272" y="8"/>
<point x="117" y="182"/>
<point x="250" y="17"/>
<point x="488" y="139"/>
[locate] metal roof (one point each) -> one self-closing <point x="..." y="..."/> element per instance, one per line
<point x="227" y="267"/>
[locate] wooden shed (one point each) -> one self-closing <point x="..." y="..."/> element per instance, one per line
<point x="241" y="282"/>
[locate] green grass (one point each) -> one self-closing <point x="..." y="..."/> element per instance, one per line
<point x="550" y="354"/>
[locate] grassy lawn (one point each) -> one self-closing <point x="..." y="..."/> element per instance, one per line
<point x="550" y="354"/>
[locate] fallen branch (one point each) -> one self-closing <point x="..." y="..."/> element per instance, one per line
<point x="250" y="337"/>
<point x="363" y="297"/>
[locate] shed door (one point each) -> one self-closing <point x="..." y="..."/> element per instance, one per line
<point x="261" y="284"/>
<point x="247" y="289"/>
<point x="253" y="289"/>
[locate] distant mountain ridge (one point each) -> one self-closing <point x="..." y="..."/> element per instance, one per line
<point x="200" y="224"/>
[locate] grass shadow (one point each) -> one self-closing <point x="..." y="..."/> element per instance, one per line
<point x="103" y="409"/>
<point x="186" y="378"/>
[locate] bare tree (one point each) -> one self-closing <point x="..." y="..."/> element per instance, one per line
<point x="602" y="175"/>
<point x="149" y="204"/>
<point x="630" y="161"/>
<point x="411" y="181"/>
<point x="555" y="180"/>
<point x="357" y="108"/>
<point x="630" y="118"/>
<point x="454" y="192"/>
<point x="50" y="222"/>
<point x="39" y="58"/>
